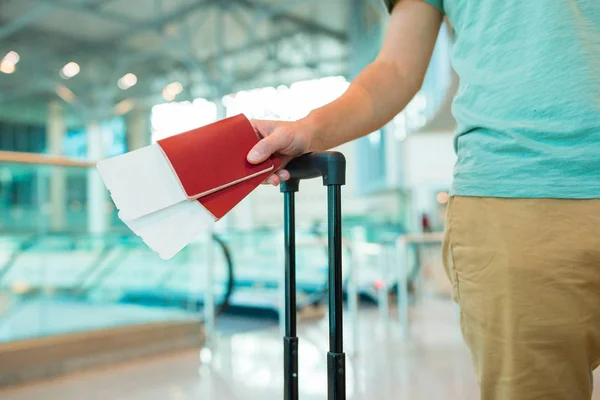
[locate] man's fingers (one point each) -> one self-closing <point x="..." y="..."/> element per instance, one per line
<point x="272" y="180"/>
<point x="283" y="175"/>
<point x="278" y="177"/>
<point x="266" y="147"/>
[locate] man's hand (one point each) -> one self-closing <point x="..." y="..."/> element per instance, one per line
<point x="373" y="99"/>
<point x="286" y="139"/>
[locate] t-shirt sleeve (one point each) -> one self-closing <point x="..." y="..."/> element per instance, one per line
<point x="439" y="4"/>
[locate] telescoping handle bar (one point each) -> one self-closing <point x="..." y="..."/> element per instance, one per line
<point x="331" y="167"/>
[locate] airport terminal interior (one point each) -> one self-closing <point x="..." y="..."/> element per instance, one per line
<point x="89" y="311"/>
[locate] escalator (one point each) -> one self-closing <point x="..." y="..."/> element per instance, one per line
<point x="168" y="291"/>
<point x="58" y="284"/>
<point x="119" y="271"/>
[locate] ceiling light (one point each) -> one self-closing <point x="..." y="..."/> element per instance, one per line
<point x="66" y="94"/>
<point x="175" y="87"/>
<point x="124" y="106"/>
<point x="12" y="57"/>
<point x="69" y="70"/>
<point x="7" y="67"/>
<point x="168" y="95"/>
<point x="172" y="90"/>
<point x="127" y="81"/>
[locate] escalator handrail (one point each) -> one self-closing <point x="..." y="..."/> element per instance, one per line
<point x="104" y="274"/>
<point x="230" y="275"/>
<point x="23" y="248"/>
<point x="164" y="280"/>
<point x="96" y="263"/>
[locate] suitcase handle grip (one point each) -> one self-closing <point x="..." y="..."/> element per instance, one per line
<point x="330" y="165"/>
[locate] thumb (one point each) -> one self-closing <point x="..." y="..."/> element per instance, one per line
<point x="273" y="143"/>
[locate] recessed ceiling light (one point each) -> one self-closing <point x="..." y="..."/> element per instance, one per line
<point x="69" y="70"/>
<point x="12" y="57"/>
<point x="127" y="81"/>
<point x="7" y="67"/>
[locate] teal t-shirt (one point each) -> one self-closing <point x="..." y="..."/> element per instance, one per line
<point x="528" y="103"/>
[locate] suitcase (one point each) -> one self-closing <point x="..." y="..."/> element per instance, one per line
<point x="331" y="167"/>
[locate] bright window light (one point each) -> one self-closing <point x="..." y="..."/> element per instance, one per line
<point x="169" y="119"/>
<point x="419" y="102"/>
<point x="400" y="126"/>
<point x="281" y="103"/>
<point x="375" y="138"/>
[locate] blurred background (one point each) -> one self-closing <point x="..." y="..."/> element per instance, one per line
<point x="88" y="311"/>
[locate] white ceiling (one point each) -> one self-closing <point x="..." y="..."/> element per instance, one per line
<point x="211" y="46"/>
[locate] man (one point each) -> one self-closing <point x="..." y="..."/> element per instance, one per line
<point x="522" y="245"/>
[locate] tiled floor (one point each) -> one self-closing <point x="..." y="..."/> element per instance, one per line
<point x="432" y="364"/>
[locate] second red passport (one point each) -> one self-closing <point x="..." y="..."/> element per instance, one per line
<point x="210" y="163"/>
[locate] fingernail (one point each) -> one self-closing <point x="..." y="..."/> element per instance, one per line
<point x="253" y="155"/>
<point x="281" y="175"/>
<point x="271" y="181"/>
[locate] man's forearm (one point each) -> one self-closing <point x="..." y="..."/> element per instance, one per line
<point x="375" y="97"/>
<point x="386" y="86"/>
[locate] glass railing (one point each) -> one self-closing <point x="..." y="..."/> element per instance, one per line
<point x="65" y="283"/>
<point x="58" y="276"/>
<point x="40" y="194"/>
<point x="258" y="258"/>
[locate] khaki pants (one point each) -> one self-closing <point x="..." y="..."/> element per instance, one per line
<point x="526" y="274"/>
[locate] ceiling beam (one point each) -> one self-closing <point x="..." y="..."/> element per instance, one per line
<point x="303" y="23"/>
<point x="174" y="16"/>
<point x="91" y="8"/>
<point x="41" y="38"/>
<point x="99" y="3"/>
<point x="15" y="25"/>
<point x="252" y="45"/>
<point x="269" y="10"/>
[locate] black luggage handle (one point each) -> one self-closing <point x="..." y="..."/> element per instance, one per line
<point x="331" y="166"/>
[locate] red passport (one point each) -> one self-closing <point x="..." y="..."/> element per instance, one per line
<point x="210" y="163"/>
<point x="169" y="192"/>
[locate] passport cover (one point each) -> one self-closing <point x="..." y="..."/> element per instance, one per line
<point x="221" y="202"/>
<point x="213" y="157"/>
<point x="169" y="192"/>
